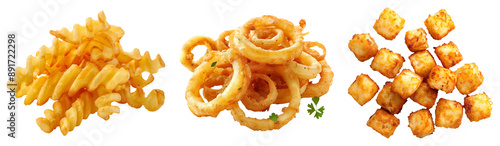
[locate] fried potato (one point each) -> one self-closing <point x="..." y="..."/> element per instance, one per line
<point x="442" y="79"/>
<point x="448" y="54"/>
<point x="425" y="95"/>
<point x="390" y="101"/>
<point x="448" y="113"/>
<point x="468" y="78"/>
<point x="439" y="24"/>
<point x="416" y="40"/>
<point x="406" y="83"/>
<point x="363" y="89"/>
<point x="363" y="46"/>
<point x="389" y="24"/>
<point x="420" y="123"/>
<point x="383" y="122"/>
<point x="387" y="62"/>
<point x="422" y="62"/>
<point x="80" y="66"/>
<point x="477" y="107"/>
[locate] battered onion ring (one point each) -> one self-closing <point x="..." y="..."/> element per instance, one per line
<point x="309" y="68"/>
<point x="252" y="52"/>
<point x="314" y="53"/>
<point x="187" y="56"/>
<point x="284" y="94"/>
<point x="222" y="43"/>
<point x="250" y="100"/>
<point x="231" y="94"/>
<point x="218" y="77"/>
<point x="288" y="112"/>
<point x="323" y="85"/>
<point x="260" y="37"/>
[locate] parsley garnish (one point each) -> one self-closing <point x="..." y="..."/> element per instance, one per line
<point x="318" y="112"/>
<point x="239" y="88"/>
<point x="274" y="117"/>
<point x="213" y="64"/>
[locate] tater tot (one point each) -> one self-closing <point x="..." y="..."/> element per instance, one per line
<point x="416" y="40"/>
<point x="387" y="63"/>
<point x="390" y="101"/>
<point x="389" y="24"/>
<point x="439" y="24"/>
<point x="448" y="54"/>
<point x="448" y="113"/>
<point x="477" y="107"/>
<point x="383" y="122"/>
<point x="425" y="95"/>
<point x="363" y="89"/>
<point x="422" y="62"/>
<point x="469" y="78"/>
<point x="363" y="46"/>
<point x="443" y="79"/>
<point x="420" y="123"/>
<point x="406" y="83"/>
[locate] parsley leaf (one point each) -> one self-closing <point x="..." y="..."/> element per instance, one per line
<point x="239" y="88"/>
<point x="213" y="64"/>
<point x="313" y="108"/>
<point x="274" y="117"/>
<point x="319" y="113"/>
<point x="315" y="100"/>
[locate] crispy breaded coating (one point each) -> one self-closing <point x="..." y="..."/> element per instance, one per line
<point x="406" y="83"/>
<point x="439" y="24"/>
<point x="442" y="79"/>
<point x="363" y="46"/>
<point x="363" y="89"/>
<point x="389" y="24"/>
<point x="390" y="101"/>
<point x="477" y="107"/>
<point x="469" y="78"/>
<point x="383" y="122"/>
<point x="422" y="62"/>
<point x="425" y="95"/>
<point x="387" y="63"/>
<point x="448" y="113"/>
<point x="448" y="54"/>
<point x="416" y="40"/>
<point x="420" y="123"/>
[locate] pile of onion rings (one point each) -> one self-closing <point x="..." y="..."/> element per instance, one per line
<point x="264" y="62"/>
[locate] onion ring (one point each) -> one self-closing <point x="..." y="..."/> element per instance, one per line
<point x="314" y="53"/>
<point x="288" y="112"/>
<point x="323" y="85"/>
<point x="309" y="68"/>
<point x="284" y="94"/>
<point x="250" y="101"/>
<point x="187" y="56"/>
<point x="261" y="37"/>
<point x="246" y="48"/>
<point x="216" y="78"/>
<point x="222" y="43"/>
<point x="230" y="95"/>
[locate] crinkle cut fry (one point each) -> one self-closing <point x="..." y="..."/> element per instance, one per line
<point x="75" y="79"/>
<point x="79" y="110"/>
<point x="137" y="99"/>
<point x="81" y="66"/>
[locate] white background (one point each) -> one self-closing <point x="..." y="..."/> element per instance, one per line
<point x="162" y="28"/>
